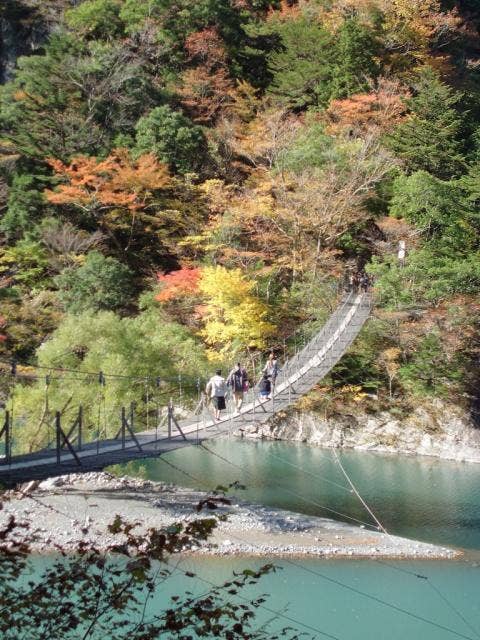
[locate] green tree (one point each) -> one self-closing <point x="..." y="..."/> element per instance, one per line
<point x="438" y="209"/>
<point x="24" y="206"/>
<point x="430" y="276"/>
<point x="302" y="69"/>
<point x="173" y="138"/>
<point x="356" y="49"/>
<point x="140" y="348"/>
<point x="74" y="98"/>
<point x="96" y="18"/>
<point x="429" y="369"/>
<point x="25" y="266"/>
<point x="100" y="283"/>
<point x="430" y="138"/>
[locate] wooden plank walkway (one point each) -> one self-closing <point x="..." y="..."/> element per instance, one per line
<point x="297" y="377"/>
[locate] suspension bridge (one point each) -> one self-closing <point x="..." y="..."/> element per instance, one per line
<point x="298" y="375"/>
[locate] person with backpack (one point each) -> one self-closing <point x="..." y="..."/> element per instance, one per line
<point x="238" y="381"/>
<point x="265" y="387"/>
<point x="364" y="282"/>
<point x="215" y="390"/>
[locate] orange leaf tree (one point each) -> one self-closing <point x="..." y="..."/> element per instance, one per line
<point x="207" y="86"/>
<point x="118" y="181"/>
<point x="130" y="199"/>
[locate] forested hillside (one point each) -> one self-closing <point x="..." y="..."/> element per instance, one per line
<point x="184" y="183"/>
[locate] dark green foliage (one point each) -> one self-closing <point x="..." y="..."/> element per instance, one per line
<point x="173" y="138"/>
<point x="100" y="283"/>
<point x="430" y="276"/>
<point x="314" y="66"/>
<point x="429" y="370"/>
<point x="355" y="51"/>
<point x="438" y="209"/>
<point x="430" y="139"/>
<point x="302" y="70"/>
<point x="73" y="99"/>
<point x="446" y="216"/>
<point x="24" y="207"/>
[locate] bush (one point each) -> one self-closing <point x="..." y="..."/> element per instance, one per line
<point x="99" y="284"/>
<point x="173" y="138"/>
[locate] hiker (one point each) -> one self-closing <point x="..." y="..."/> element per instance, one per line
<point x="238" y="381"/>
<point x="364" y="282"/>
<point x="215" y="390"/>
<point x="265" y="387"/>
<point x="351" y="282"/>
<point x="271" y="367"/>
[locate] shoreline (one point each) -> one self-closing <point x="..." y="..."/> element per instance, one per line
<point x="435" y="430"/>
<point x="78" y="508"/>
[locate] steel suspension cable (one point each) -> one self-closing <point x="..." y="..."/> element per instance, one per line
<point x="416" y="575"/>
<point x="355" y="590"/>
<point x="292" y="493"/>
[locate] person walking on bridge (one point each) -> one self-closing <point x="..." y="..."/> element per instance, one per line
<point x="271" y="368"/>
<point x="238" y="381"/>
<point x="215" y="390"/>
<point x="265" y="387"/>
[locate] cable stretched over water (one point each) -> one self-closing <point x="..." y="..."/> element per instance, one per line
<point x="293" y="493"/>
<point x="261" y="606"/>
<point x="355" y="590"/>
<point x="416" y="575"/>
<point x="379" y="524"/>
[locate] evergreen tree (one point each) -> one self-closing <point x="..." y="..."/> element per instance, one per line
<point x="173" y="138"/>
<point x="438" y="209"/>
<point x="430" y="139"/>
<point x="24" y="206"/>
<point x="302" y="70"/>
<point x="100" y="283"/>
<point x="355" y="49"/>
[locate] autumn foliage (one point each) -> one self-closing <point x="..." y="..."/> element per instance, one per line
<point x="3" y="323"/>
<point x="381" y="109"/>
<point x="178" y="284"/>
<point x="117" y="181"/>
<point x="207" y="87"/>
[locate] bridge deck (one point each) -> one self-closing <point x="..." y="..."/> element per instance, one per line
<point x="297" y="377"/>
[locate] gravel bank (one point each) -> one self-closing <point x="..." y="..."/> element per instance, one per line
<point x="73" y="508"/>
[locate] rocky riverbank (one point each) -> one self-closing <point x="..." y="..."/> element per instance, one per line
<point x="434" y="429"/>
<point x="78" y="508"/>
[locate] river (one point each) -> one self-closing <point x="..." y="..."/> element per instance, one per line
<point x="422" y="498"/>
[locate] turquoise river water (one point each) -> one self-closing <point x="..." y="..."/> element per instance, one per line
<point x="422" y="498"/>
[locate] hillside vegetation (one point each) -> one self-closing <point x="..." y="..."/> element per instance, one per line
<point x="184" y="183"/>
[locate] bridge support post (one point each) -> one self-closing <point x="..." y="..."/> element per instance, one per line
<point x="122" y="428"/>
<point x="170" y="415"/>
<point x="6" y="432"/>
<point x="80" y="427"/>
<point x="58" y="429"/>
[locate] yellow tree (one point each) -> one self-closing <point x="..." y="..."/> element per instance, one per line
<point x="389" y="359"/>
<point x="234" y="317"/>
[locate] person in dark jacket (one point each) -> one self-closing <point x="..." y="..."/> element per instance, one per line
<point x="238" y="381"/>
<point x="265" y="387"/>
